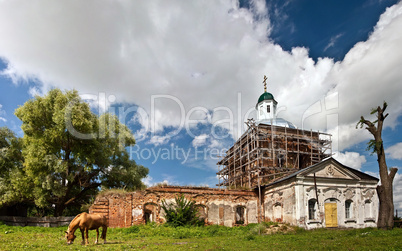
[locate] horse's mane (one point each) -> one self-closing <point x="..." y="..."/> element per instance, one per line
<point x="73" y="220"/>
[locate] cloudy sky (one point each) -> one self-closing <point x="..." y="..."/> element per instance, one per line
<point x="185" y="75"/>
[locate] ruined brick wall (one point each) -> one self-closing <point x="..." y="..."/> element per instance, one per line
<point x="101" y="206"/>
<point x="219" y="206"/>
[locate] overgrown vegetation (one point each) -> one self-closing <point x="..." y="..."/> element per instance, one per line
<point x="181" y="213"/>
<point x="164" y="237"/>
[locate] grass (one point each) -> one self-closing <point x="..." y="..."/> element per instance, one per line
<point x="160" y="237"/>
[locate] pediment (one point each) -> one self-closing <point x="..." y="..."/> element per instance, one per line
<point x="330" y="169"/>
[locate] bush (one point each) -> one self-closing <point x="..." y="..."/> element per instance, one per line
<point x="181" y="213"/>
<point x="258" y="229"/>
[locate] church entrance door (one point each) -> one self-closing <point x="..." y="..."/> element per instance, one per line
<point x="331" y="215"/>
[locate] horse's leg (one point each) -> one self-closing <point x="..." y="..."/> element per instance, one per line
<point x="104" y="230"/>
<point x="86" y="236"/>
<point x="97" y="236"/>
<point x="83" y="240"/>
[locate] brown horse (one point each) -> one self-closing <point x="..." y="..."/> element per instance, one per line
<point x="87" y="222"/>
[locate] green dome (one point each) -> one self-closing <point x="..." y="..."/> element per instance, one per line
<point x="265" y="96"/>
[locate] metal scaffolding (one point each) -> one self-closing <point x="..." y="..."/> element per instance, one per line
<point x="265" y="153"/>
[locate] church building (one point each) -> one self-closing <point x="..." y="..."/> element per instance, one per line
<point x="273" y="172"/>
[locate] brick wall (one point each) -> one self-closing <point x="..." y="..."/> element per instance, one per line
<point x="218" y="205"/>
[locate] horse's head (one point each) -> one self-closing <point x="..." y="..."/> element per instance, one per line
<point x="70" y="237"/>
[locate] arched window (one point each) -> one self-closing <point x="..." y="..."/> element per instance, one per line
<point x="348" y="209"/>
<point x="201" y="212"/>
<point x="278" y="212"/>
<point x="240" y="215"/>
<point x="149" y="214"/>
<point x="367" y="209"/>
<point x="312" y="209"/>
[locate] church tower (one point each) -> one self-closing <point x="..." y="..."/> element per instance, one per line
<point x="266" y="105"/>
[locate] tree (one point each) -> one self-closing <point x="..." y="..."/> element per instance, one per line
<point x="384" y="190"/>
<point x="181" y="213"/>
<point x="69" y="152"/>
<point x="14" y="184"/>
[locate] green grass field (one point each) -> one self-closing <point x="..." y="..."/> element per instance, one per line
<point x="154" y="237"/>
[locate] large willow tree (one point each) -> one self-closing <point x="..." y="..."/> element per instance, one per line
<point x="69" y="152"/>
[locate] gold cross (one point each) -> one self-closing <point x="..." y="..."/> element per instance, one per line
<point x="265" y="83"/>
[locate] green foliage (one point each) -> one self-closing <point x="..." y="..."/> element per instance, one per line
<point x="180" y="213"/>
<point x="69" y="152"/>
<point x="13" y="181"/>
<point x="374" y="146"/>
<point x="132" y="229"/>
<point x="258" y="229"/>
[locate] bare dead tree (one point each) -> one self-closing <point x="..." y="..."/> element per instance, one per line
<point x="384" y="190"/>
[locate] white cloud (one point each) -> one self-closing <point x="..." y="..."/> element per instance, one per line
<point x="159" y="140"/>
<point x="397" y="190"/>
<point x="332" y="41"/>
<point x="149" y="181"/>
<point x="199" y="140"/>
<point x="215" y="144"/>
<point x="398" y="193"/>
<point x="2" y="112"/>
<point x="202" y="53"/>
<point x="351" y="159"/>
<point x="395" y="151"/>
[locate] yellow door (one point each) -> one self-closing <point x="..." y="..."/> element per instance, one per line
<point x="331" y="215"/>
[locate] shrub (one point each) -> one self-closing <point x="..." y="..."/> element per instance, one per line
<point x="258" y="229"/>
<point x="181" y="213"/>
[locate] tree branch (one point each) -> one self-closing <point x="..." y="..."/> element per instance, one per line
<point x="392" y="173"/>
<point x="81" y="193"/>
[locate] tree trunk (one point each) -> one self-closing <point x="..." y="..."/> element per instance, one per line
<point x="386" y="208"/>
<point x="58" y="211"/>
<point x="385" y="190"/>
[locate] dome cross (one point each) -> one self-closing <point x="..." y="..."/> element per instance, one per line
<point x="265" y="83"/>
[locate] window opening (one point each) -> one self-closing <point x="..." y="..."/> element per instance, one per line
<point x="312" y="209"/>
<point x="240" y="215"/>
<point x="348" y="205"/>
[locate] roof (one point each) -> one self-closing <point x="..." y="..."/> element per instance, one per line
<point x="265" y="96"/>
<point x="359" y="174"/>
<point x="277" y="122"/>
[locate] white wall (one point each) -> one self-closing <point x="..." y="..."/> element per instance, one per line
<point x="295" y="194"/>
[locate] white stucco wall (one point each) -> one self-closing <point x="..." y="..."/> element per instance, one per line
<point x="333" y="186"/>
<point x="338" y="191"/>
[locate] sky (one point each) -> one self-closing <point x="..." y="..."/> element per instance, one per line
<point x="185" y="75"/>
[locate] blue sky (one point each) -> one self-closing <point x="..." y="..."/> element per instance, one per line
<point x="185" y="75"/>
